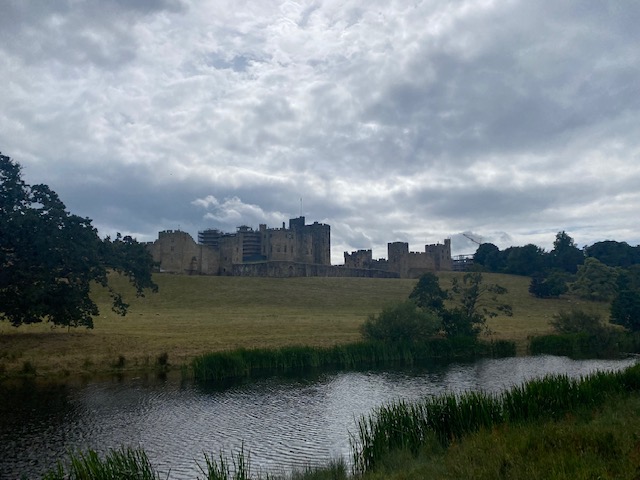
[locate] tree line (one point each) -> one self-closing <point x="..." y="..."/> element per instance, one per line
<point x="607" y="271"/>
<point x="565" y="256"/>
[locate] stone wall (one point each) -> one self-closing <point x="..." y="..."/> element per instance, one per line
<point x="298" y="251"/>
<point x="283" y="269"/>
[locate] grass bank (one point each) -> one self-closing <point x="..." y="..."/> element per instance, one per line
<point x="191" y="316"/>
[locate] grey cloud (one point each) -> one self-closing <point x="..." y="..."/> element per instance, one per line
<point x="392" y="121"/>
<point x="93" y="32"/>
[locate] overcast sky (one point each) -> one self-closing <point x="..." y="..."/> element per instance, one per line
<point x="406" y="120"/>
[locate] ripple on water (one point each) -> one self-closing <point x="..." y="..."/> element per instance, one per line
<point x="280" y="423"/>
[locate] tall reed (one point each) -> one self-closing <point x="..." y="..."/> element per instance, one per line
<point x="403" y="426"/>
<point x="602" y="344"/>
<point x="126" y="463"/>
<point x="242" y="362"/>
<point x="221" y="469"/>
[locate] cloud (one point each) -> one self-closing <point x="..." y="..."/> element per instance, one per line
<point x="392" y="121"/>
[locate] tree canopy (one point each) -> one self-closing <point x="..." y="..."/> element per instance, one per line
<point x="49" y="258"/>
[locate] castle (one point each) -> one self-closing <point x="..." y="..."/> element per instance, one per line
<point x="297" y="251"/>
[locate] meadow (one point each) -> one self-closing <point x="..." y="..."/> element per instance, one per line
<point x="194" y="315"/>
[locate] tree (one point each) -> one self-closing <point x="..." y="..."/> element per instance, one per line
<point x="595" y="281"/>
<point x="577" y="321"/>
<point x="49" y="258"/>
<point x="565" y="256"/>
<point x="427" y="293"/>
<point x="476" y="301"/>
<point x="548" y="285"/>
<point x="402" y="322"/>
<point x="489" y="256"/>
<point x="614" y="254"/>
<point x="525" y="260"/>
<point x="625" y="310"/>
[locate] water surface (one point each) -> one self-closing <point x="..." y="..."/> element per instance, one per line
<point x="284" y="423"/>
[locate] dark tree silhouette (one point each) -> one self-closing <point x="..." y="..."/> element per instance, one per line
<point x="49" y="258"/>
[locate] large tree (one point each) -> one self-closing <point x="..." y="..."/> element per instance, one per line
<point x="565" y="256"/>
<point x="596" y="281"/>
<point x="50" y="258"/>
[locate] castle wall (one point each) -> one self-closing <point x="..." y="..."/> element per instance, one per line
<point x="300" y="250"/>
<point x="278" y="269"/>
<point x="358" y="259"/>
<point x="177" y="252"/>
<point x="414" y="264"/>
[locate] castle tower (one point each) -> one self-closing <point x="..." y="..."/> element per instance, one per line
<point x="398" y="255"/>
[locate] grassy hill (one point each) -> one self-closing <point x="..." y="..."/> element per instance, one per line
<point x="194" y="315"/>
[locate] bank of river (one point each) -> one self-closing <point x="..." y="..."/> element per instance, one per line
<point x="283" y="422"/>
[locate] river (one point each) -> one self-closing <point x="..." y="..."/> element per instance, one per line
<point x="283" y="423"/>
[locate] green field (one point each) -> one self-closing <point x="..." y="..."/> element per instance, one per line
<point x="195" y="315"/>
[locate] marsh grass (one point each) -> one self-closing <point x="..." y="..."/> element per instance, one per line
<point x="126" y="463"/>
<point x="603" y="344"/>
<point x="444" y="419"/>
<point x="239" y="468"/>
<point x="239" y="363"/>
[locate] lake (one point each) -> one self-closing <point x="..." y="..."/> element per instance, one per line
<point x="283" y="423"/>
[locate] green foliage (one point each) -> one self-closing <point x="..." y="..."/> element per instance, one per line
<point x="551" y="285"/>
<point x="401" y="322"/>
<point x="625" y="310"/>
<point x="458" y="323"/>
<point x="614" y="254"/>
<point x="401" y="426"/>
<point x="490" y="257"/>
<point x="49" y="258"/>
<point x="565" y="256"/>
<point x="126" y="463"/>
<point x="577" y="321"/>
<point x="222" y="469"/>
<point x="595" y="281"/>
<point x="476" y="301"/>
<point x="240" y="363"/>
<point x="524" y="260"/>
<point x="427" y="293"/>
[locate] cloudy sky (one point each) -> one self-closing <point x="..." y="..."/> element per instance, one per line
<point x="389" y="120"/>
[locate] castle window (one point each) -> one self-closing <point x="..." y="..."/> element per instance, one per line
<point x="285" y="249"/>
<point x="172" y="248"/>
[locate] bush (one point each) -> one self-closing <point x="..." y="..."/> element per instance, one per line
<point x="625" y="310"/>
<point x="548" y="286"/>
<point x="577" y="321"/>
<point x="401" y="322"/>
<point x="458" y="323"/>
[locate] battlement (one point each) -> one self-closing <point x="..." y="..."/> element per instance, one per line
<point x="220" y="253"/>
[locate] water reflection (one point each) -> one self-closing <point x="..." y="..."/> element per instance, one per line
<point x="283" y="422"/>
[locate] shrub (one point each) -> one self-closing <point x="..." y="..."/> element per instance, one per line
<point x="458" y="323"/>
<point x="548" y="286"/>
<point x="401" y="322"/>
<point x="625" y="310"/>
<point x="577" y="321"/>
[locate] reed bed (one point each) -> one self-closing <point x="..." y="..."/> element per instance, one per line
<point x="133" y="464"/>
<point x="126" y="463"/>
<point x="446" y="418"/>
<point x="604" y="344"/>
<point x="240" y="363"/>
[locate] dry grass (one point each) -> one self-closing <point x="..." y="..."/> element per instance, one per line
<point x="195" y="315"/>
